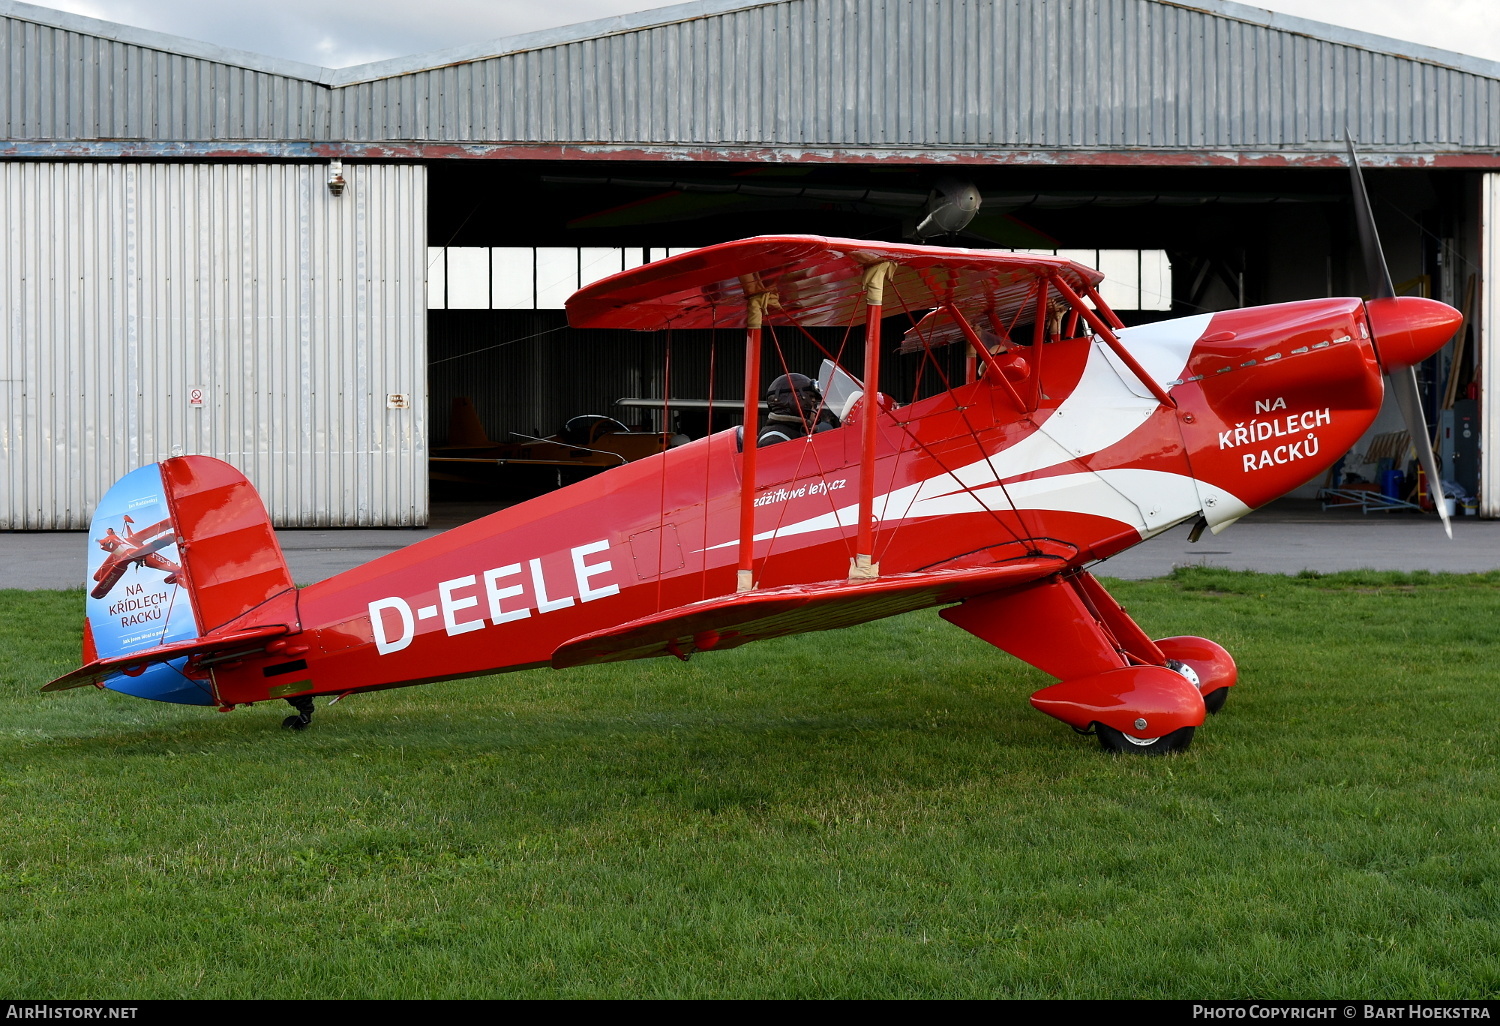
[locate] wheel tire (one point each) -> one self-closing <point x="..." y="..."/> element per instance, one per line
<point x="1112" y="740"/>
<point x="1214" y="700"/>
<point x="295" y="723"/>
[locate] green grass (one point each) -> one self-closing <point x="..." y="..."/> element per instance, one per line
<point x="875" y="812"/>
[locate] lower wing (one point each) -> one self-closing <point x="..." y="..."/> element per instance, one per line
<point x="733" y="620"/>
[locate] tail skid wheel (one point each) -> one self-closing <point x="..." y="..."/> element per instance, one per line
<point x="304" y="706"/>
<point x="1112" y="740"/>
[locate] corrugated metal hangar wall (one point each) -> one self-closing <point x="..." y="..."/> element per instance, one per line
<point x="294" y="313"/>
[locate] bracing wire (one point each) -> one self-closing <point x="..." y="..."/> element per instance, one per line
<point x="713" y="345"/>
<point x="498" y="345"/>
<point x="661" y="505"/>
<point x="973" y="434"/>
<point x="822" y="405"/>
<point x="806" y="448"/>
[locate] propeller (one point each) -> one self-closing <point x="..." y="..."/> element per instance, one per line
<point x="1405" y="330"/>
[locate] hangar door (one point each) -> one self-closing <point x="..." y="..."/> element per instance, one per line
<point x="241" y="311"/>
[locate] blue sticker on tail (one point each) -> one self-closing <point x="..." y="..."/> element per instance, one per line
<point x="138" y="593"/>
<point x="163" y="682"/>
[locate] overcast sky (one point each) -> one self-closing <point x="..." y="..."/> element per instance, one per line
<point x="336" y="33"/>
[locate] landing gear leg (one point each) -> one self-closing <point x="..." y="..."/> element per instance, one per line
<point x="1113" y="679"/>
<point x="304" y="706"/>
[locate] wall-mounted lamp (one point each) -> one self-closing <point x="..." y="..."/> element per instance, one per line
<point x="336" y="181"/>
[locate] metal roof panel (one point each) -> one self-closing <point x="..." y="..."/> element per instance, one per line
<point x="1140" y="81"/>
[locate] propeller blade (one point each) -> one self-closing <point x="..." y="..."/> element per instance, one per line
<point x="1404" y="384"/>
<point x="1377" y="274"/>
<point x="1403" y="379"/>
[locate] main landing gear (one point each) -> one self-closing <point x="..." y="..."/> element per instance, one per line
<point x="304" y="706"/>
<point x="1140" y="697"/>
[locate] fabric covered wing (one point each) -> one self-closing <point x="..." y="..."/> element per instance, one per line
<point x="816" y="281"/>
<point x="734" y="620"/>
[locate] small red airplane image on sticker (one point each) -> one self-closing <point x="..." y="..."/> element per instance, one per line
<point x="134" y="548"/>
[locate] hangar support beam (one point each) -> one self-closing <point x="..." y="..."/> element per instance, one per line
<point x="1488" y="334"/>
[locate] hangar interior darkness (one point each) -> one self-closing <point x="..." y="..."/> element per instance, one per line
<point x="1233" y="236"/>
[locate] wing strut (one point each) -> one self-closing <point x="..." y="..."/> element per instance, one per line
<point x="863" y="566"/>
<point x="755" y="312"/>
<point x="1039" y="338"/>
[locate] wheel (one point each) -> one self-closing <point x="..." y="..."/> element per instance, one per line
<point x="1213" y="701"/>
<point x="304" y="706"/>
<point x="1112" y="740"/>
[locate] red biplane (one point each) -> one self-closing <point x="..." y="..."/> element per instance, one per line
<point x="1070" y="439"/>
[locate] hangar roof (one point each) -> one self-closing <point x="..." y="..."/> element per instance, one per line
<point x="982" y="81"/>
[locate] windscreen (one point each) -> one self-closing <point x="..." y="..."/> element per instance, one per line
<point x="840" y="388"/>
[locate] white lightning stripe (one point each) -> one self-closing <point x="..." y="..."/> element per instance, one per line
<point x="1159" y="349"/>
<point x="1148" y="500"/>
<point x="1101" y="410"/>
<point x="1098" y="413"/>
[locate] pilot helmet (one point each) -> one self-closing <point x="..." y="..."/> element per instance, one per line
<point x="791" y="394"/>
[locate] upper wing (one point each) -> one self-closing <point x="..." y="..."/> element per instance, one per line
<point x="733" y="620"/>
<point x="816" y="282"/>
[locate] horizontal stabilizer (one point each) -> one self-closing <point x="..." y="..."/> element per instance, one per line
<point x="99" y="670"/>
<point x="733" y="620"/>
